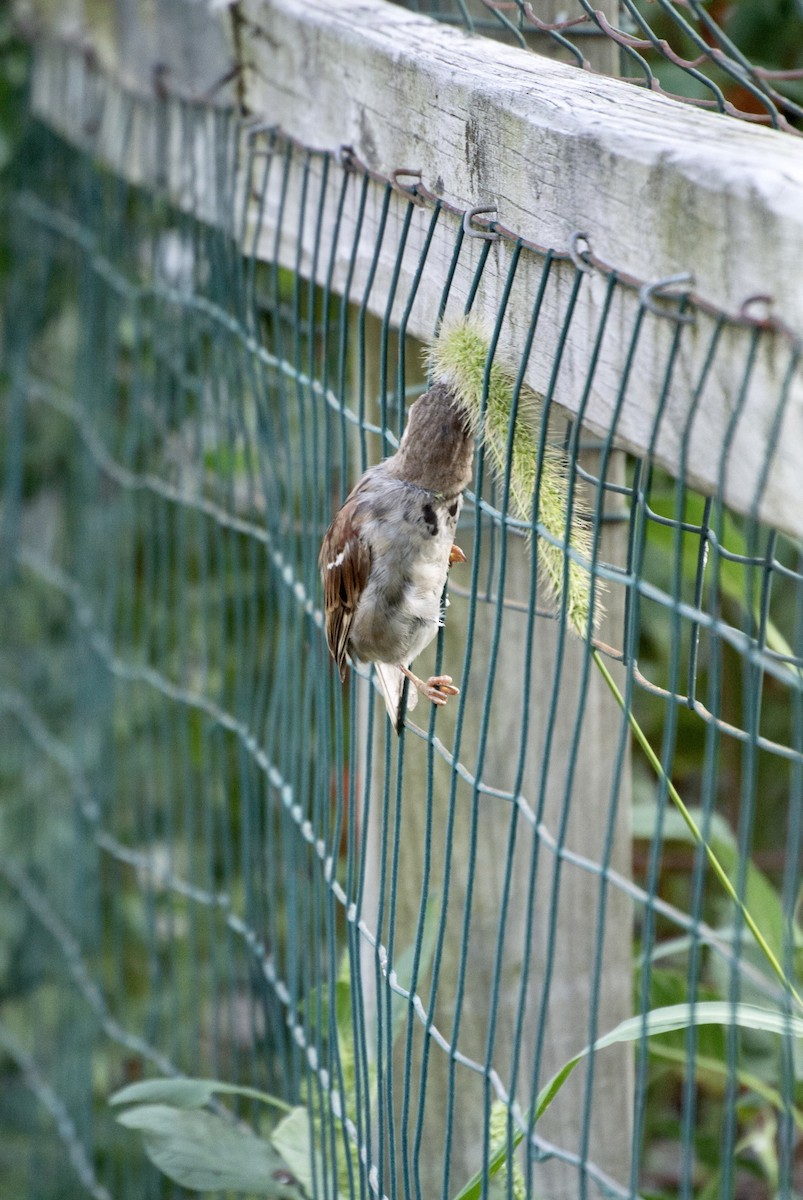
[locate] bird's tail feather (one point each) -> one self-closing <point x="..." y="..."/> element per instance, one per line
<point x="391" y="681"/>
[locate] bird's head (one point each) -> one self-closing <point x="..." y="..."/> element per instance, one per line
<point x="437" y="449"/>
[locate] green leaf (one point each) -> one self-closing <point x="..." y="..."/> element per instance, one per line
<point x="760" y="897"/>
<point x="761" y="1143"/>
<point x="668" y="987"/>
<point x="668" y="1020"/>
<point x="344" y="1024"/>
<point x="717" y="1069"/>
<point x="291" y="1138"/>
<point x="659" y="1020"/>
<point x="400" y="1006"/>
<point x="731" y="574"/>
<point x="179" y="1093"/>
<point x="188" y="1093"/>
<point x="697" y="834"/>
<point x="206" y="1153"/>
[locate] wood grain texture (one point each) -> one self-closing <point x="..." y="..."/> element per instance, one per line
<point x="536" y="973"/>
<point x="531" y="721"/>
<point x="660" y="188"/>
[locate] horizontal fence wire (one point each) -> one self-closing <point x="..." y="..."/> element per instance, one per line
<point x="218" y="862"/>
<point x="743" y="59"/>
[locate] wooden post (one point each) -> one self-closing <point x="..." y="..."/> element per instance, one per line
<point x="592" y="144"/>
<point x="535" y="964"/>
<point x="599" y="50"/>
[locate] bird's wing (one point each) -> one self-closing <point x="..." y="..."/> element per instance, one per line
<point x="345" y="562"/>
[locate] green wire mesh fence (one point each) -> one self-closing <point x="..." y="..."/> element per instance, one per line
<point x="217" y="862"/>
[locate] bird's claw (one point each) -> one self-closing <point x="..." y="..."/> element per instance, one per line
<point x="456" y="555"/>
<point x="438" y="689"/>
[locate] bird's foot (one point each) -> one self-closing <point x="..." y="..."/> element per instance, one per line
<point x="438" y="688"/>
<point x="456" y="555"/>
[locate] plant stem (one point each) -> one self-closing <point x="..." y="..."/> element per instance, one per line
<point x="695" y="831"/>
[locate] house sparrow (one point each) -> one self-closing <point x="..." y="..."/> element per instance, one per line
<point x="385" y="557"/>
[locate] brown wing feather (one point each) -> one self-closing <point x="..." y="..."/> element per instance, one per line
<point x="345" y="563"/>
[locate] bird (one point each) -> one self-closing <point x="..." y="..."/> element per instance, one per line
<point x="385" y="557"/>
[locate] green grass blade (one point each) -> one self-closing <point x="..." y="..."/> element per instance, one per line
<point x="633" y="1029"/>
<point x="696" y="833"/>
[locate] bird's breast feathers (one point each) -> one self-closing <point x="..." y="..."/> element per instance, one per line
<point x="410" y="534"/>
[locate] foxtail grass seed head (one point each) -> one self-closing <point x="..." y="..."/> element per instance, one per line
<point x="498" y="1137"/>
<point x="458" y="357"/>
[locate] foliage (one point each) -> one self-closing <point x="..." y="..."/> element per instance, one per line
<point x="637" y="1029"/>
<point x="206" y="1151"/>
<point x="767" y="33"/>
<point x="183" y="1142"/>
<point x="14" y="57"/>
